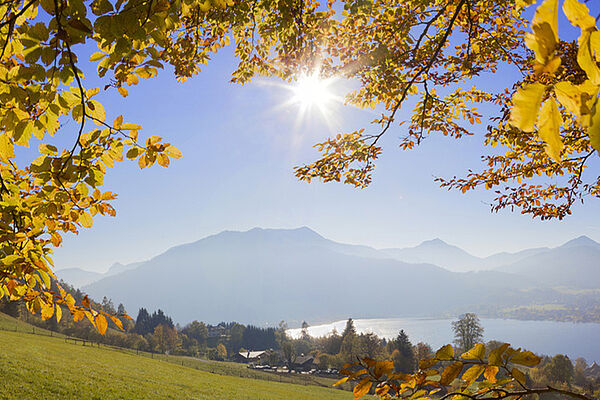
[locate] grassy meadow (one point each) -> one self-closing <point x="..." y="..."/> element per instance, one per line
<point x="36" y="366"/>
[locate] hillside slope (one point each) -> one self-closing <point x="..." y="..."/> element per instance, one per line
<point x="36" y="367"/>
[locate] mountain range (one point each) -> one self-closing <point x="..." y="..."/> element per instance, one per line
<point x="266" y="275"/>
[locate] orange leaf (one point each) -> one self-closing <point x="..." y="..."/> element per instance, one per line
<point x="101" y="323"/>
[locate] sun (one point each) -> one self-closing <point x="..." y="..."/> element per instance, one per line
<point x="311" y="90"/>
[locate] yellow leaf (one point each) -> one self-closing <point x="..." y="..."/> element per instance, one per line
<point x="118" y="122"/>
<point x="173" y="152"/>
<point x="549" y="124"/>
<point x="101" y="323"/>
<point x="78" y="315"/>
<point x="345" y="379"/>
<point x="544" y="39"/>
<point x="571" y="97"/>
<point x="526" y="103"/>
<point x="547" y="13"/>
<point x="362" y="387"/>
<point x="58" y="313"/>
<point x="47" y="311"/>
<point x="594" y="130"/>
<point x="585" y="57"/>
<point x="97" y="56"/>
<point x="383" y="368"/>
<point x="450" y="373"/>
<point x="85" y="220"/>
<point x="490" y="373"/>
<point x="473" y="373"/>
<point x="69" y="300"/>
<point x="7" y="148"/>
<point x="116" y="321"/>
<point x="578" y="14"/>
<point x="162" y="160"/>
<point x="427" y="363"/>
<point x="445" y="353"/>
<point x="124" y="92"/>
<point x="477" y="352"/>
<point x="96" y="111"/>
<point x="526" y="358"/>
<point x="518" y="375"/>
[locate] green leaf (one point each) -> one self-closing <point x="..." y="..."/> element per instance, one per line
<point x="526" y="103"/>
<point x="549" y="124"/>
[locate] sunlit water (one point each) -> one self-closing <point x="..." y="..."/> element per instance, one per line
<point x="542" y="337"/>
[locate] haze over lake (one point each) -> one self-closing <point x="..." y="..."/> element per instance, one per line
<point x="542" y="337"/>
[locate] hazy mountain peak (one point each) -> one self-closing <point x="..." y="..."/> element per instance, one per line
<point x="434" y="242"/>
<point x="581" y="241"/>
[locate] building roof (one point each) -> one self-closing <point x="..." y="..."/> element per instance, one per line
<point x="304" y="359"/>
<point x="252" y="354"/>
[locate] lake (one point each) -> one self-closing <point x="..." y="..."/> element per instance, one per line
<point x="542" y="337"/>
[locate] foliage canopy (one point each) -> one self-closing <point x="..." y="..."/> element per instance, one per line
<point x="548" y="124"/>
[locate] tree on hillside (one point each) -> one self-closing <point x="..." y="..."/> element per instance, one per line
<point x="559" y="370"/>
<point x="349" y="329"/>
<point x="467" y="331"/>
<point x="403" y="353"/>
<point x="165" y="337"/>
<point x="289" y="354"/>
<point x="333" y="342"/>
<point x="221" y="352"/>
<point x="143" y="322"/>
<point x="197" y="331"/>
<point x="304" y="331"/>
<point x="423" y="351"/>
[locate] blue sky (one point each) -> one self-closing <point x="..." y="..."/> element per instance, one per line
<point x="240" y="145"/>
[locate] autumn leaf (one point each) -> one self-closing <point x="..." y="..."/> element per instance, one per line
<point x="526" y="103"/>
<point x="362" y="387"/>
<point x="445" y="353"/>
<point x="101" y="324"/>
<point x="451" y="372"/>
<point x="549" y="124"/>
<point x="477" y="352"/>
<point x="473" y="373"/>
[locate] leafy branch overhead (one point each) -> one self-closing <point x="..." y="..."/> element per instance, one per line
<point x="477" y="374"/>
<point x="421" y="49"/>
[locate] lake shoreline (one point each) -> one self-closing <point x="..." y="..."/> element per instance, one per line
<point x="542" y="337"/>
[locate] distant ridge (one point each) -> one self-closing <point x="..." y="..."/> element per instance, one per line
<point x="265" y="275"/>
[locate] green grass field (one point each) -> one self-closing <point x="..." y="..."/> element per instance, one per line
<point x="40" y="367"/>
